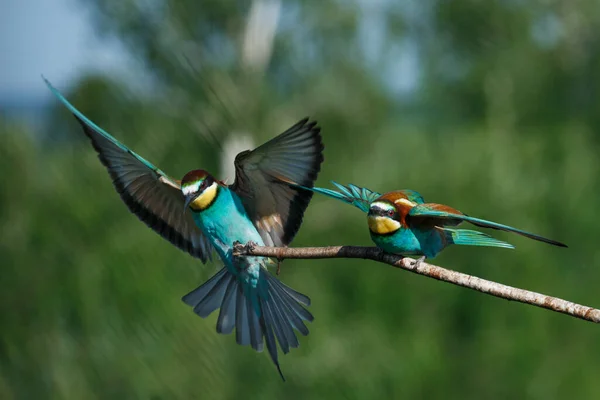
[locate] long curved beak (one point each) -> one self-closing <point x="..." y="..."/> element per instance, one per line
<point x="188" y="200"/>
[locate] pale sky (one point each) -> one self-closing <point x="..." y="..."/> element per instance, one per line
<point x="56" y="38"/>
<point x="50" y="37"/>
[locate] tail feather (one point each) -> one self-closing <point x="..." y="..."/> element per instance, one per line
<point x="214" y="298"/>
<point x="226" y="320"/>
<point x="473" y="238"/>
<point x="256" y="334"/>
<point x="299" y="297"/>
<point x="266" y="324"/>
<point x="292" y="316"/>
<point x="494" y="225"/>
<point x="272" y="320"/>
<point x="295" y="308"/>
<point x="286" y="327"/>
<point x="194" y="297"/>
<point x="263" y="315"/>
<point x="242" y="329"/>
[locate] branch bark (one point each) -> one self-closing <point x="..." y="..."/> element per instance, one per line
<point x="425" y="269"/>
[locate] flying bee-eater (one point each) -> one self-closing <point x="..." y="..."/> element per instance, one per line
<point x="400" y="222"/>
<point x="200" y="213"/>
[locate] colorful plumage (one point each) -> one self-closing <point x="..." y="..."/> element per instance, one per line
<point x="200" y="213"/>
<point x="400" y="222"/>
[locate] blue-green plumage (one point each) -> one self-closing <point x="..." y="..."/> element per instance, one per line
<point x="400" y="222"/>
<point x="200" y="214"/>
<point x="405" y="240"/>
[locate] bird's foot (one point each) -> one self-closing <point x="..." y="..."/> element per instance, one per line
<point x="278" y="267"/>
<point x="418" y="262"/>
<point x="240" y="248"/>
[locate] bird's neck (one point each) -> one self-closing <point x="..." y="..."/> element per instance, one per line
<point x="382" y="225"/>
<point x="206" y="198"/>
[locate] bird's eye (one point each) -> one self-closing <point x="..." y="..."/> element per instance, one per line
<point x="390" y="213"/>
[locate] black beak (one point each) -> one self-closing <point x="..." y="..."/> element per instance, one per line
<point x="188" y="200"/>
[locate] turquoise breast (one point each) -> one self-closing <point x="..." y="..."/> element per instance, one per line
<point x="402" y="242"/>
<point x="224" y="222"/>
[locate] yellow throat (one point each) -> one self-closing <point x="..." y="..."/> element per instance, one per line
<point x="205" y="199"/>
<point x="382" y="225"/>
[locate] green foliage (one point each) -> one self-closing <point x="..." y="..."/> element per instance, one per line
<point x="503" y="125"/>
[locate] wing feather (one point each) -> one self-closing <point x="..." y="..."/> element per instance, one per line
<point x="445" y="215"/>
<point x="149" y="193"/>
<point x="275" y="207"/>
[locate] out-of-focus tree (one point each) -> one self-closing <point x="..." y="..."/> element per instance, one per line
<point x="491" y="107"/>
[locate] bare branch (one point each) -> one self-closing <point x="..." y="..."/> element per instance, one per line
<point x="431" y="271"/>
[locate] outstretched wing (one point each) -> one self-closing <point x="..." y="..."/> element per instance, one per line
<point x="449" y="216"/>
<point x="275" y="207"/>
<point x="149" y="193"/>
<point x="411" y="195"/>
<point x="351" y="194"/>
<point x="357" y="196"/>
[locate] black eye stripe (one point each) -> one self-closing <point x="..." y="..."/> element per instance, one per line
<point x="383" y="211"/>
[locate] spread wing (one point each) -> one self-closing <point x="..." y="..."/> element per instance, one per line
<point x="351" y="194"/>
<point x="359" y="197"/>
<point x="413" y="196"/>
<point x="149" y="193"/>
<point x="275" y="207"/>
<point x="444" y="215"/>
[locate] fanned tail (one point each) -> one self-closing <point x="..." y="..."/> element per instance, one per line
<point x="473" y="238"/>
<point x="271" y="311"/>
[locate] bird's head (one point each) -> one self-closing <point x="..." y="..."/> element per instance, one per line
<point x="200" y="189"/>
<point x="383" y="217"/>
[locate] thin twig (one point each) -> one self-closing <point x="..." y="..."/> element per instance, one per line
<point x="431" y="271"/>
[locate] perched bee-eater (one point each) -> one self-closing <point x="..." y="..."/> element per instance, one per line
<point x="400" y="222"/>
<point x="200" y="213"/>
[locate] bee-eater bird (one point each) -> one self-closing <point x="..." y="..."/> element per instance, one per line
<point x="400" y="222"/>
<point x="200" y="213"/>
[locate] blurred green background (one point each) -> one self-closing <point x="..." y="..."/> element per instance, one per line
<point x="492" y="107"/>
